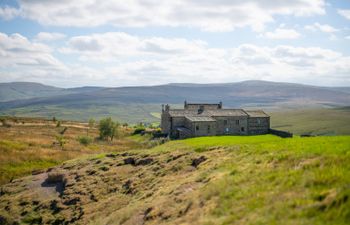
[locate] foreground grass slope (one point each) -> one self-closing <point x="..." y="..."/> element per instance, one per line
<point x="209" y="180"/>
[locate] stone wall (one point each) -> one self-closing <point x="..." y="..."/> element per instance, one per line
<point x="204" y="128"/>
<point x="258" y="125"/>
<point x="233" y="125"/>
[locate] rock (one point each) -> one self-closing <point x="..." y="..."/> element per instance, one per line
<point x="143" y="162"/>
<point x="197" y="161"/>
<point x="72" y="201"/>
<point x="130" y="161"/>
<point x="111" y="155"/>
<point x="104" y="168"/>
<point x="56" y="177"/>
<point x="36" y="172"/>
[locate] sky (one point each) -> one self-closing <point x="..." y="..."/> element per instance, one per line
<point x="70" y="43"/>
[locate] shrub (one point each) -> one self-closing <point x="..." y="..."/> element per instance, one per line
<point x="85" y="140"/>
<point x="58" y="124"/>
<point x="139" y="130"/>
<point x="108" y="128"/>
<point x="61" y="141"/>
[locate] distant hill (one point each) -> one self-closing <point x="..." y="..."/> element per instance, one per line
<point x="137" y="103"/>
<point x="26" y="90"/>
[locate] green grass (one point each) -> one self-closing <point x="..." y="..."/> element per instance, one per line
<point x="313" y="121"/>
<point x="267" y="179"/>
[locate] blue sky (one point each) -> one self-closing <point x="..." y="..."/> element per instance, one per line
<point x="72" y="43"/>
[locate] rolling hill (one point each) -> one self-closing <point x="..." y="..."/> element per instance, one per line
<point x="134" y="104"/>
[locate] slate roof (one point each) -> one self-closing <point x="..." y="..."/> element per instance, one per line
<point x="207" y="113"/>
<point x="200" y="118"/>
<point x="256" y="113"/>
<point x="227" y="112"/>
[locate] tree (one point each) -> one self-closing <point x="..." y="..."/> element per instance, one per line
<point x="108" y="128"/>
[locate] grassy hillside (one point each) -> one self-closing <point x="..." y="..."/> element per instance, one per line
<point x="25" y="90"/>
<point x="313" y="121"/>
<point x="31" y="145"/>
<point x="209" y="180"/>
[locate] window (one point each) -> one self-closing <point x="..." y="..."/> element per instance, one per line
<point x="225" y="122"/>
<point x="242" y="129"/>
<point x="237" y="122"/>
<point x="258" y="121"/>
<point x="197" y="127"/>
<point x="208" y="129"/>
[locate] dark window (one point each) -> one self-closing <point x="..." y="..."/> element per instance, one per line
<point x="197" y="127"/>
<point x="237" y="122"/>
<point x="208" y="129"/>
<point x="258" y="120"/>
<point x="225" y="122"/>
<point x="242" y="129"/>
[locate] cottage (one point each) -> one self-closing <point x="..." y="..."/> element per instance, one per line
<point x="212" y="119"/>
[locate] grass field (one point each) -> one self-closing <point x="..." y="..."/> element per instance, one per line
<point x="267" y="179"/>
<point x="208" y="180"/>
<point x="30" y="145"/>
<point x="313" y="121"/>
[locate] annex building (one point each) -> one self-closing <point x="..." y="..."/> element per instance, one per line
<point x="212" y="119"/>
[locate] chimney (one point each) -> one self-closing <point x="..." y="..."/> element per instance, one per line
<point x="162" y="107"/>
<point x="200" y="109"/>
<point x="167" y="107"/>
<point x="185" y="104"/>
<point x="220" y="105"/>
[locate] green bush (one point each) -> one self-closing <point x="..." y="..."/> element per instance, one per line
<point x="85" y="140"/>
<point x="139" y="130"/>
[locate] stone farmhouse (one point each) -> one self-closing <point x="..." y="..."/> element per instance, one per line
<point x="212" y="119"/>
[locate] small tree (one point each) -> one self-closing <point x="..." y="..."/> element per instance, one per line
<point x="61" y="141"/>
<point x="58" y="124"/>
<point x="108" y="128"/>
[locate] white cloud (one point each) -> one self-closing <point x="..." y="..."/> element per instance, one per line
<point x="8" y="13"/>
<point x="345" y="13"/>
<point x="118" y="59"/>
<point x="347" y="37"/>
<point x="321" y="27"/>
<point x="20" y="58"/>
<point x="207" y="15"/>
<point x="280" y="33"/>
<point x="45" y="36"/>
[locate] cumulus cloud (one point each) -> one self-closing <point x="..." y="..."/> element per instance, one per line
<point x="19" y="57"/>
<point x="281" y="33"/>
<point x="45" y="36"/>
<point x="345" y="13"/>
<point x="321" y="27"/>
<point x="8" y="13"/>
<point x="206" y="15"/>
<point x="118" y="59"/>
